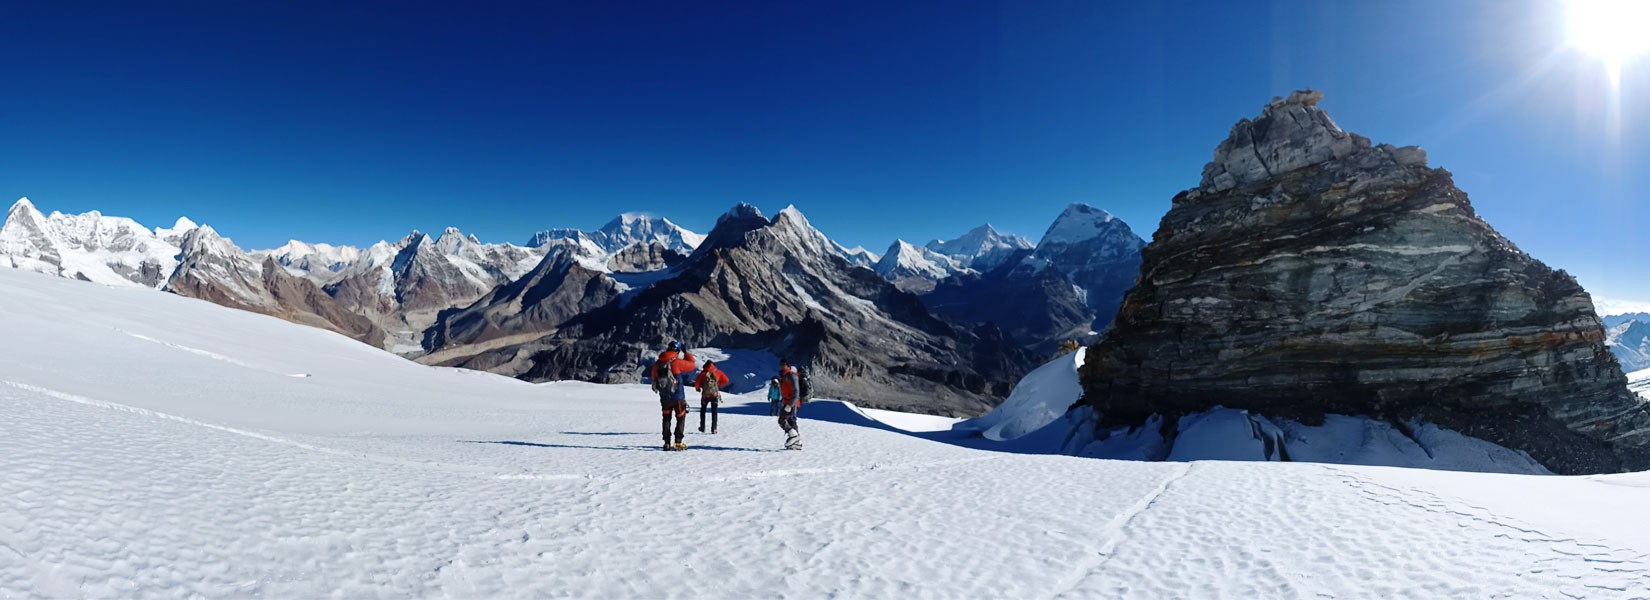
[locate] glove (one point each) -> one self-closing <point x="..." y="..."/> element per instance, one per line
<point x="787" y="408"/>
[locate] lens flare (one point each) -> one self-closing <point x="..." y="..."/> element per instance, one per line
<point x="1614" y="31"/>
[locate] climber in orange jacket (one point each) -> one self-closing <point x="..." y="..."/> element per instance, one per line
<point x="710" y="383"/>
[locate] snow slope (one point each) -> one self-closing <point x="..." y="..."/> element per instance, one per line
<point x="162" y="446"/>
<point x="1039" y="399"/>
<point x="1034" y="418"/>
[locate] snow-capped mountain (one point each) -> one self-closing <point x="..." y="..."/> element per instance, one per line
<point x="776" y="285"/>
<point x="1611" y="320"/>
<point x="858" y="256"/>
<point x="982" y="248"/>
<point x="1629" y="340"/>
<point x="401" y="286"/>
<point x="1071" y="283"/>
<point x="916" y="269"/>
<point x="565" y="285"/>
<point x="214" y="269"/>
<point x="625" y="230"/>
<point x="320" y="262"/>
<point x="90" y="246"/>
<point x="1036" y="304"/>
<point x="1098" y="251"/>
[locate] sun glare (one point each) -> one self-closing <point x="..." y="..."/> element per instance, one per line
<point x="1614" y="31"/>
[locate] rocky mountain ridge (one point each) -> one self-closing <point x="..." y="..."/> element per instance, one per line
<point x="451" y="299"/>
<point x="777" y="285"/>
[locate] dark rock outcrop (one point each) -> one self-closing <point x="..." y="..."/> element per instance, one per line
<point x="1312" y="272"/>
<point x="644" y="258"/>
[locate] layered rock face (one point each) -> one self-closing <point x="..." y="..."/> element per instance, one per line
<point x="1311" y="272"/>
<point x="644" y="258"/>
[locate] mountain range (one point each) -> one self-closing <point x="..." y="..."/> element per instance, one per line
<point x="972" y="314"/>
<point x="1629" y="338"/>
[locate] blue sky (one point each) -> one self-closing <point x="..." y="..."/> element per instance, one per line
<point x="879" y="120"/>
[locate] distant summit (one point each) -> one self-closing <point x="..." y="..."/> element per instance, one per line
<point x="983" y="248"/>
<point x="625" y="230"/>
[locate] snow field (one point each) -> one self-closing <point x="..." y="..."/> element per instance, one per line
<point x="158" y="446"/>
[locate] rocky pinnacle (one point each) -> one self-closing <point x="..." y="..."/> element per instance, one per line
<point x="1311" y="272"/>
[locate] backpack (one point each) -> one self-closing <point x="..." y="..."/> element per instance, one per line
<point x="663" y="380"/>
<point x="804" y="387"/>
<point x="712" y="388"/>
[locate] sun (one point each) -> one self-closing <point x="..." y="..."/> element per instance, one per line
<point x="1613" y="31"/>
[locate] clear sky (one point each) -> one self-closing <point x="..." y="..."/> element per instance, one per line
<point x="915" y="120"/>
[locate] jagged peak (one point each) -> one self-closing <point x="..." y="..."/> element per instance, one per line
<point x="206" y="240"/>
<point x="1080" y="222"/>
<point x="810" y="238"/>
<point x="1290" y="133"/>
<point x="732" y="226"/>
<point x="1081" y="210"/>
<point x="179" y="228"/>
<point x="24" y="207"/>
<point x="984" y="238"/>
<point x="415" y="238"/>
<point x="903" y="256"/>
<point x="626" y="218"/>
<point x="792" y="212"/>
<point x="452" y="240"/>
<point x="793" y="218"/>
<point x="204" y="232"/>
<point x="742" y="211"/>
<point x="294" y="248"/>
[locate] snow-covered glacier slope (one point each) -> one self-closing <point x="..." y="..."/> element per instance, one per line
<point x="161" y="446"/>
<point x="1034" y="419"/>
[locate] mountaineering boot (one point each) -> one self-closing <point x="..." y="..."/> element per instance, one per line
<point x="681" y="446"/>
<point x="668" y="447"/>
